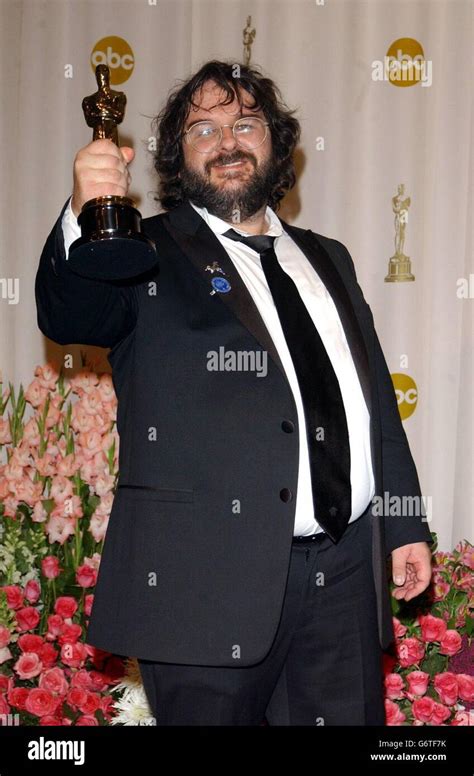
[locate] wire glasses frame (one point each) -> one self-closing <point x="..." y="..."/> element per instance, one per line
<point x="218" y="140"/>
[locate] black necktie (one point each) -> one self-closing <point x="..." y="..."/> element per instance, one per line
<point x="326" y="425"/>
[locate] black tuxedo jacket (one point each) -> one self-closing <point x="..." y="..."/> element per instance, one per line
<point x="198" y="544"/>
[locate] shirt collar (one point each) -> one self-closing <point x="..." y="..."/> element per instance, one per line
<point x="219" y="226"/>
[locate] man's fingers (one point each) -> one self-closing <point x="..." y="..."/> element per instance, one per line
<point x="416" y="582"/>
<point x="127" y="154"/>
<point x="104" y="146"/>
<point x="104" y="161"/>
<point x="399" y="573"/>
<point x="100" y="169"/>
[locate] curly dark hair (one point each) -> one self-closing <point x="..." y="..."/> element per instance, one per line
<point x="169" y="124"/>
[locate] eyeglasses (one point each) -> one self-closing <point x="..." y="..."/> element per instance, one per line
<point x="206" y="136"/>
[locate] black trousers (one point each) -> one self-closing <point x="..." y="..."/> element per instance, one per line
<point x="325" y="664"/>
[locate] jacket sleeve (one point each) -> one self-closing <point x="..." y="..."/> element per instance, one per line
<point x="72" y="309"/>
<point x="399" y="474"/>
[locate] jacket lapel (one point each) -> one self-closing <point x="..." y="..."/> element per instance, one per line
<point x="201" y="246"/>
<point x="199" y="243"/>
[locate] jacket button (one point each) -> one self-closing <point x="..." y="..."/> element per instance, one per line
<point x="286" y="494"/>
<point x="288" y="427"/>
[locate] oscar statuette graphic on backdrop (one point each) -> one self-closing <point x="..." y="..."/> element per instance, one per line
<point x="399" y="266"/>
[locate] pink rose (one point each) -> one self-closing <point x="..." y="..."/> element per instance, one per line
<point x="73" y="655"/>
<point x="86" y="576"/>
<point x="410" y="651"/>
<point x="30" y="642"/>
<point x="4" y="707"/>
<point x="463" y="718"/>
<point x="82" y="679"/>
<point x="394" y="686"/>
<point x="446" y="685"/>
<point x="450" y="643"/>
<point x="71" y="633"/>
<point x="418" y="682"/>
<point x="466" y="687"/>
<point x="432" y="628"/>
<point x="76" y="697"/>
<point x="40" y="702"/>
<point x="48" y="655"/>
<point x="106" y="702"/>
<point x="423" y="708"/>
<point x="65" y="606"/>
<point x="4" y="636"/>
<point x="88" y="601"/>
<point x="85" y="720"/>
<point x="28" y="665"/>
<point x="5" y="682"/>
<point x="54" y="680"/>
<point x="98" y="681"/>
<point x="393" y="715"/>
<point x="440" y="714"/>
<point x="14" y="595"/>
<point x="55" y="626"/>
<point x="398" y="628"/>
<point x="49" y="720"/>
<point x="27" y="618"/>
<point x="32" y="591"/>
<point x="17" y="697"/>
<point x="90" y="703"/>
<point x="50" y="567"/>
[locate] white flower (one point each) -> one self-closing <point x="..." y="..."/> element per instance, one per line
<point x="132" y="706"/>
<point x="5" y="655"/>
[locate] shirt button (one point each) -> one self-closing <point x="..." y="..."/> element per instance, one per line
<point x="288" y="427"/>
<point x="286" y="494"/>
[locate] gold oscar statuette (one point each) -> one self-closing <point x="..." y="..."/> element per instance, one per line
<point x="112" y="245"/>
<point x="399" y="265"/>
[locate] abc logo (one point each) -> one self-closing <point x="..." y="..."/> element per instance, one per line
<point x="407" y="59"/>
<point x="117" y="55"/>
<point x="406" y="393"/>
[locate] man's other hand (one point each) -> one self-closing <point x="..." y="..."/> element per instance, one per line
<point x="411" y="570"/>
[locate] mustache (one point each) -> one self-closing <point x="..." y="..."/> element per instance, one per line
<point x="230" y="158"/>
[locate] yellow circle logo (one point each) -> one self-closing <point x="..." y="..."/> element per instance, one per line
<point x="117" y="55"/>
<point x="406" y="393"/>
<point x="405" y="60"/>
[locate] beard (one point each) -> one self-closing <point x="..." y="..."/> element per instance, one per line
<point x="244" y="198"/>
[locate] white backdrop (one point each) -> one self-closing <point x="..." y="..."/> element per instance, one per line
<point x="376" y="135"/>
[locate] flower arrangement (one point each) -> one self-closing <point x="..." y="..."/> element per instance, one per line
<point x="57" y="482"/>
<point x="58" y="473"/>
<point x="429" y="674"/>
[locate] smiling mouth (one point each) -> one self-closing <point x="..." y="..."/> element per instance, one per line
<point x="231" y="165"/>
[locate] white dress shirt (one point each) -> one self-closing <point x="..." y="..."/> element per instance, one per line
<point x="326" y="319"/>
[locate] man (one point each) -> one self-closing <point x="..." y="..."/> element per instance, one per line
<point x="244" y="564"/>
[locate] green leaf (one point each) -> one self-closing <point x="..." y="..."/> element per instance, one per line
<point x="469" y="626"/>
<point x="434" y="664"/>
